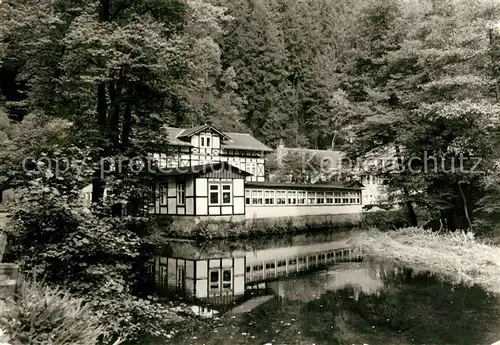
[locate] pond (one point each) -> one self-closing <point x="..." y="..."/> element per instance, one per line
<point x="332" y="301"/>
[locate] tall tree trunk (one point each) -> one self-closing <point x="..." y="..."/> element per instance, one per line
<point x="97" y="181"/>
<point x="114" y="91"/>
<point x="104" y="10"/>
<point x="101" y="106"/>
<point x="409" y="205"/>
<point x="127" y="127"/>
<point x="466" y="209"/>
<point x="333" y="139"/>
<point x="494" y="66"/>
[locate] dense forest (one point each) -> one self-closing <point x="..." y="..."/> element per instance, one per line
<point x="88" y="79"/>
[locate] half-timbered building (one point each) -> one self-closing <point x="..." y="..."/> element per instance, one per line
<point x="210" y="173"/>
<point x="205" y="144"/>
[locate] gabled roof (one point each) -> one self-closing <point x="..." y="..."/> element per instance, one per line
<point x="189" y="132"/>
<point x="332" y="159"/>
<point x="172" y="137"/>
<point x="334" y="156"/>
<point x="232" y="141"/>
<point x="201" y="169"/>
<point x="244" y="141"/>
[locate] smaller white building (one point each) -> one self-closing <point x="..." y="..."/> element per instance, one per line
<point x="335" y="164"/>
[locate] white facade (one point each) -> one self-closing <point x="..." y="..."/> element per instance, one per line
<point x="334" y="163"/>
<point x="214" y="190"/>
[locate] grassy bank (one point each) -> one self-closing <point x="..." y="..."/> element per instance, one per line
<point x="186" y="228"/>
<point x="455" y="256"/>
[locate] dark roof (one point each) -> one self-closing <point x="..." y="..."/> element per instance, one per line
<point x="332" y="159"/>
<point x="201" y="169"/>
<point x="233" y="141"/>
<point x="332" y="185"/>
<point x="189" y="132"/>
<point x="334" y="156"/>
<point x="244" y="141"/>
<point x="172" y="137"/>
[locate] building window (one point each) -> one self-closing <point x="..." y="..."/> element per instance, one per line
<point x="214" y="194"/>
<point x="320" y="198"/>
<point x="181" y="194"/>
<point x="214" y="279"/>
<point x="220" y="194"/>
<point x="163" y="194"/>
<point x="248" y="196"/>
<point x="257" y="197"/>
<point x="280" y="197"/>
<point x="258" y="268"/>
<point x="338" y="198"/>
<point x="226" y="194"/>
<point x="218" y="280"/>
<point x="204" y="141"/>
<point x="329" y="198"/>
<point x="292" y="198"/>
<point x="358" y="198"/>
<point x="345" y="198"/>
<point x="269" y="197"/>
<point x="312" y="198"/>
<point x="301" y="198"/>
<point x="352" y="199"/>
<point x="254" y="170"/>
<point x="292" y="262"/>
<point x="227" y="279"/>
<point x="270" y="265"/>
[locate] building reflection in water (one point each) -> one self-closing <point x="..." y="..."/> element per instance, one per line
<point x="222" y="278"/>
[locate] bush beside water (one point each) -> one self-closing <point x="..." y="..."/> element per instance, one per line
<point x="44" y="315"/>
<point x="456" y="256"/>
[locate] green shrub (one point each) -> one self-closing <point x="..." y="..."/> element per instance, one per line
<point x="44" y="315"/>
<point x="126" y="317"/>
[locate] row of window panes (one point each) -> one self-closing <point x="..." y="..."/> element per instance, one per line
<point x="181" y="194"/>
<point x="371" y="180"/>
<point x="220" y="279"/>
<point x="301" y="260"/>
<point x="220" y="194"/>
<point x="271" y="197"/>
<point x="204" y="141"/>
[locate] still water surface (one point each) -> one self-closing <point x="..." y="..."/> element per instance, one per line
<point x="366" y="302"/>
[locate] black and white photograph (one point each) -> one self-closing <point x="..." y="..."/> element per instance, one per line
<point x="249" y="172"/>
